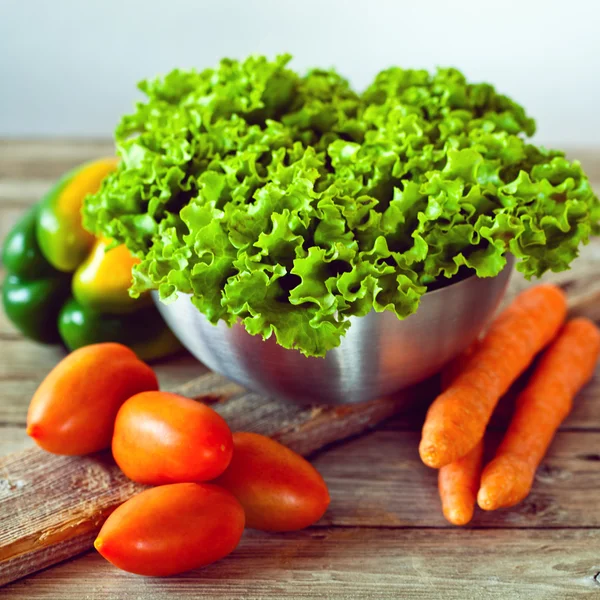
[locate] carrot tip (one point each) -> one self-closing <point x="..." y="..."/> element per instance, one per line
<point x="33" y="431"/>
<point x="458" y="517"/>
<point x="485" y="502"/>
<point x="432" y="457"/>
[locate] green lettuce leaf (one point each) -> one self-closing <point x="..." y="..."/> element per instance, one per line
<point x="293" y="203"/>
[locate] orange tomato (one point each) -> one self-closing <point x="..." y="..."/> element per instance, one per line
<point x="73" y="411"/>
<point x="165" y="438"/>
<point x="279" y="490"/>
<point x="171" y="529"/>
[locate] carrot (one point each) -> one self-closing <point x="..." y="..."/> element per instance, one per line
<point x="563" y="370"/>
<point x="457" y="419"/>
<point x="458" y="482"/>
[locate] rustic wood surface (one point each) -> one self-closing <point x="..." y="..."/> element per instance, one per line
<point x="383" y="536"/>
<point x="51" y="506"/>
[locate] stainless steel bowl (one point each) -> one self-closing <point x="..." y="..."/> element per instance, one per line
<point x="379" y="354"/>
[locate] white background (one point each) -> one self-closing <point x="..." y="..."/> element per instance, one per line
<point x="69" y="67"/>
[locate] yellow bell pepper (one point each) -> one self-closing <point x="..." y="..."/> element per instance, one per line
<point x="101" y="281"/>
<point x="60" y="234"/>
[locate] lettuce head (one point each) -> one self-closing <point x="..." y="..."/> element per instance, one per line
<point x="292" y="202"/>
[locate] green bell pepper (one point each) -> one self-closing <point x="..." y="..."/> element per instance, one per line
<point x="144" y="331"/>
<point x="49" y="256"/>
<point x="21" y="253"/>
<point x="33" y="305"/>
<point x="33" y="292"/>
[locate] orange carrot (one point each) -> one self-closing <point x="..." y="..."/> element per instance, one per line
<point x="563" y="370"/>
<point x="457" y="419"/>
<point x="458" y="482"/>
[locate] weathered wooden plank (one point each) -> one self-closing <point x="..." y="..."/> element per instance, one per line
<point x="16" y="393"/>
<point x="585" y="415"/>
<point x="354" y="564"/>
<point x="47" y="159"/>
<point x="526" y="572"/>
<point x="23" y="193"/>
<point x="177" y="370"/>
<point x="581" y="282"/>
<point x="15" y="399"/>
<point x="375" y="481"/>
<point x="378" y="480"/>
<point x="23" y="365"/>
<point x="48" y="502"/>
<point x="28" y="362"/>
<point x="24" y="360"/>
<point x="13" y="439"/>
<point x="14" y="403"/>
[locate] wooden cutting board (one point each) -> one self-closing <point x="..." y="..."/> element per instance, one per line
<point x="51" y="507"/>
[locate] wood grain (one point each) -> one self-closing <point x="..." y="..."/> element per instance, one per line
<point x="354" y="564"/>
<point x="378" y="480"/>
<point x="52" y="505"/>
<point x="13" y="439"/>
<point x="26" y="160"/>
<point x="28" y="363"/>
<point x="585" y="415"/>
<point x="581" y="282"/>
<point x="383" y="536"/>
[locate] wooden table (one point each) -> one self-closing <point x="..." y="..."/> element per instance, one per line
<point x="384" y="536"/>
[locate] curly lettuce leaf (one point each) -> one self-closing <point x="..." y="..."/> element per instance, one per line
<point x="293" y="203"/>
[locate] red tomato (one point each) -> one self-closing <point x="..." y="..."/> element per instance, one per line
<point x="165" y="438"/>
<point x="74" y="409"/>
<point x="171" y="529"/>
<point x="279" y="490"/>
